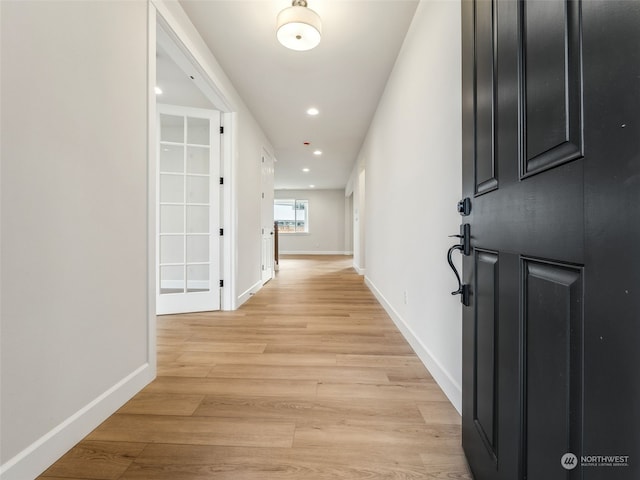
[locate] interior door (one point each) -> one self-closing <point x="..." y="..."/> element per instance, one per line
<point x="551" y="277"/>
<point x="268" y="252"/>
<point x="188" y="210"/>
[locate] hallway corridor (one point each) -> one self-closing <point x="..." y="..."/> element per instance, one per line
<point x="309" y="379"/>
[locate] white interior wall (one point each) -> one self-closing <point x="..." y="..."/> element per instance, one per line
<point x="75" y="257"/>
<point x="326" y="223"/>
<point x="411" y="200"/>
<point x="244" y="174"/>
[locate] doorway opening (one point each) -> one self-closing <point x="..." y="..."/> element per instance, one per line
<point x="192" y="158"/>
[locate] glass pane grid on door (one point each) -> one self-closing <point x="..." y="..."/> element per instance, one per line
<point x="184" y="191"/>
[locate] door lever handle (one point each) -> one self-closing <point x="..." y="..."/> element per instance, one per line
<point x="465" y="248"/>
<point x="463" y="289"/>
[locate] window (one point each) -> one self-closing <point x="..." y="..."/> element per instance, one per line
<point x="292" y="216"/>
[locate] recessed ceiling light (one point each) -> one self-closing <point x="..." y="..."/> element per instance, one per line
<point x="158" y="91"/>
<point x="312" y="186"/>
<point x="313" y="111"/>
<point x="317" y="152"/>
<point x="305" y="170"/>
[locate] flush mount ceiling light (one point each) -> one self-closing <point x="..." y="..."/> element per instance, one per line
<point x="299" y="27"/>
<point x="317" y="152"/>
<point x="313" y="111"/>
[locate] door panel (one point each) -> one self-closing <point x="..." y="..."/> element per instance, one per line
<point x="551" y="170"/>
<point x="188" y="210"/>
<point x="551" y="78"/>
<point x="552" y="361"/>
<point x="485" y="167"/>
<point x="486" y="330"/>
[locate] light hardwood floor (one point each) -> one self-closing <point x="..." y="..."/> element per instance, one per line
<point x="310" y="379"/>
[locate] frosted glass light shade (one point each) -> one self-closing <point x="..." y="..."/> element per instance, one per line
<point x="299" y="28"/>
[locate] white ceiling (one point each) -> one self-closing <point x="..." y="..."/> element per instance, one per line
<point x="343" y="77"/>
<point x="177" y="88"/>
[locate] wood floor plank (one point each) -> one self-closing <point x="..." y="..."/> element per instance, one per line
<point x="353" y="433"/>
<point x="95" y="460"/>
<point x="378" y="360"/>
<point x="441" y="466"/>
<point x="42" y="477"/>
<point x="194" y="431"/>
<point x="221" y="347"/>
<point x="300" y="359"/>
<point x="374" y="347"/>
<point x="334" y="410"/>
<point x="162" y="404"/>
<point x="410" y="392"/>
<point x="235" y="387"/>
<point x="416" y="374"/>
<point x="439" y="413"/>
<point x="177" y="462"/>
<point x="322" y="374"/>
<point x="177" y="370"/>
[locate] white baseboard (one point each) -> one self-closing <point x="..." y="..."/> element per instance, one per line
<point x="449" y="386"/>
<point x="359" y="270"/>
<point x="247" y="294"/>
<point x="315" y="252"/>
<point x="42" y="453"/>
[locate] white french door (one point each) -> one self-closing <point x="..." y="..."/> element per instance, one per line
<point x="268" y="253"/>
<point x="188" y="272"/>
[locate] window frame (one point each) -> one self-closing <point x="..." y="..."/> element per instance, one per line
<point x="294" y="202"/>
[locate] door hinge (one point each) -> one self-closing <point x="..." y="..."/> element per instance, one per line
<point x="221" y="232"/>
<point x="221" y="180"/>
<point x="262" y="194"/>
<point x="221" y="283"/>
<point x="221" y="129"/>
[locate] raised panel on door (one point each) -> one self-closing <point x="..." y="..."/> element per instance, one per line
<point x="551" y="83"/>
<point x="484" y="97"/>
<point x="552" y="325"/>
<point x="485" y="399"/>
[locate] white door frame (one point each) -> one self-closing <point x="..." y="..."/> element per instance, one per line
<point x="172" y="32"/>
